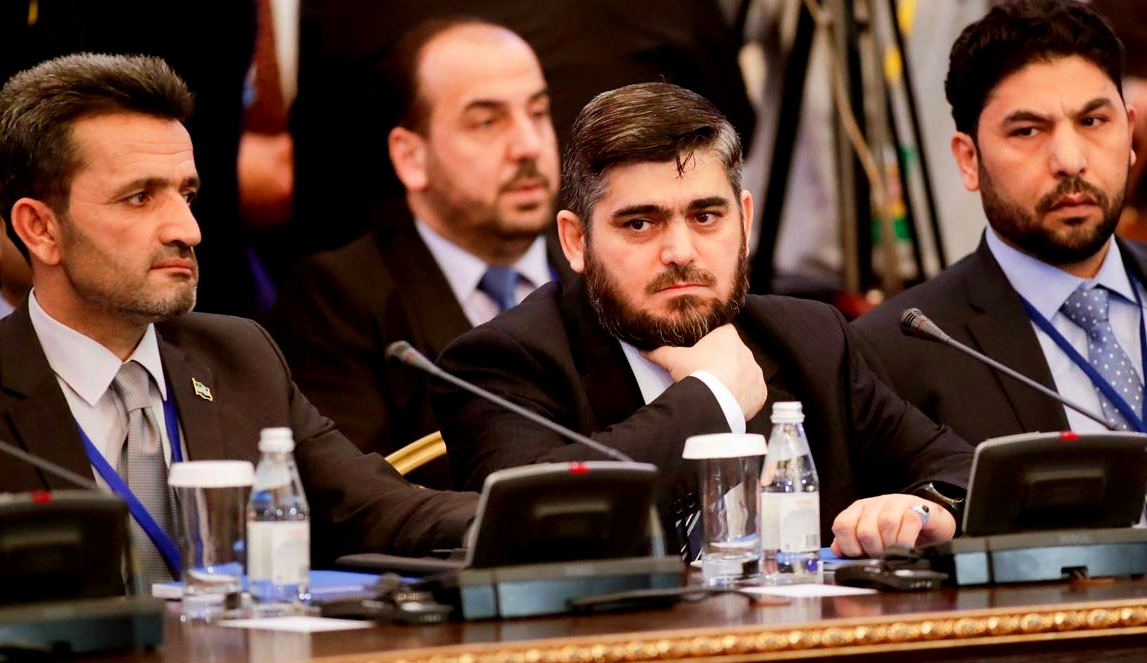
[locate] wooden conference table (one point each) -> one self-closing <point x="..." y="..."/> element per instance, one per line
<point x="1097" y="622"/>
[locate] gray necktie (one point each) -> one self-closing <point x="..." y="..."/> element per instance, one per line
<point x="500" y="283"/>
<point x="143" y="466"/>
<point x="1088" y="309"/>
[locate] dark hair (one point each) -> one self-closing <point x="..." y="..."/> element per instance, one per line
<point x="39" y="106"/>
<point x="400" y="70"/>
<point x="1016" y="34"/>
<point x="655" y="122"/>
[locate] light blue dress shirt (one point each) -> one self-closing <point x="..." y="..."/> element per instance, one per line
<point x="1047" y="288"/>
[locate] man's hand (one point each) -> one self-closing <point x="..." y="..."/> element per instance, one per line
<point x="722" y="353"/>
<point x="867" y="527"/>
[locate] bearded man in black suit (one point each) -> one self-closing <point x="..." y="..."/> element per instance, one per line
<point x="659" y="341"/>
<point x="1043" y="133"/>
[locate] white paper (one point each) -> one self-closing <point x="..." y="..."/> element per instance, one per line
<point x="809" y="590"/>
<point x="299" y="624"/>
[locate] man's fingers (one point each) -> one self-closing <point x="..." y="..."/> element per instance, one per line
<point x="846" y="543"/>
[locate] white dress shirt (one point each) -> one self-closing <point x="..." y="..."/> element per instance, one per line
<point x="1047" y="288"/>
<point x="464" y="270"/>
<point x="654" y="380"/>
<point x="85" y="370"/>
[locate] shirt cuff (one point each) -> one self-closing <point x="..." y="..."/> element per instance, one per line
<point x="725" y="399"/>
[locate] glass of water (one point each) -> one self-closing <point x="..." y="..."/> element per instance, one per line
<point x="212" y="497"/>
<point x="729" y="475"/>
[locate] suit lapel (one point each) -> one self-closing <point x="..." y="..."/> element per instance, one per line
<point x="434" y="313"/>
<point x="608" y="382"/>
<point x="198" y="416"/>
<point x="42" y="421"/>
<point x="1001" y="329"/>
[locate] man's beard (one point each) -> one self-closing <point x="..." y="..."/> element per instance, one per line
<point x="98" y="282"/>
<point x="1023" y="229"/>
<point x="646" y="331"/>
<point x="486" y="217"/>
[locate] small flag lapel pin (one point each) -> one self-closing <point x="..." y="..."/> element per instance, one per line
<point x="202" y="390"/>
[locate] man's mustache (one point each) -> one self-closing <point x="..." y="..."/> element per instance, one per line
<point x="674" y="274"/>
<point x="527" y="174"/>
<point x="1068" y="187"/>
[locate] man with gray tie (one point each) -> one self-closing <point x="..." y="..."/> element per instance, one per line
<point x="103" y="369"/>
<point x="1043" y="133"/>
<point x="474" y="147"/>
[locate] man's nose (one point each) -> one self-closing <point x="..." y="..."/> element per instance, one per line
<point x="179" y="224"/>
<point x="526" y="138"/>
<point x="1068" y="156"/>
<point x="677" y="244"/>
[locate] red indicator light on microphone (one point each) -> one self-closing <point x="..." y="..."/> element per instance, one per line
<point x="41" y="497"/>
<point x="1068" y="435"/>
<point x="578" y="468"/>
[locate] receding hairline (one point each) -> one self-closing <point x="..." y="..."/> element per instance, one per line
<point x="470" y="35"/>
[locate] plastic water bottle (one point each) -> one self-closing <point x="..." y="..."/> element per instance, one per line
<point x="790" y="502"/>
<point x="278" y="528"/>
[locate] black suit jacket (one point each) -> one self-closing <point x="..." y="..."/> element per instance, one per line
<point x="551" y="356"/>
<point x="342" y="309"/>
<point x="974" y="303"/>
<point x="358" y="502"/>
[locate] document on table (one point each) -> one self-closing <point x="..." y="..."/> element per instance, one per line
<point x="298" y="624"/>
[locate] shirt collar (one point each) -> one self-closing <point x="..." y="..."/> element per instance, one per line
<point x="1046" y="287"/>
<point x="651" y="378"/>
<point x="463" y="270"/>
<point x="85" y="365"/>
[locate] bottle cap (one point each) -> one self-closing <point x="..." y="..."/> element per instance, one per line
<point x="211" y="474"/>
<point x="276" y="440"/>
<point x="724" y="445"/>
<point x="787" y="412"/>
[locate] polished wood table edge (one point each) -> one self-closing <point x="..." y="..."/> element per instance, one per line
<point x="831" y="637"/>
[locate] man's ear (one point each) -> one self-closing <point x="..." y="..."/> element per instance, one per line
<point x="747" y="213"/>
<point x="572" y="235"/>
<point x="39" y="228"/>
<point x="967" y="160"/>
<point x="1131" y="113"/>
<point x="408" y="156"/>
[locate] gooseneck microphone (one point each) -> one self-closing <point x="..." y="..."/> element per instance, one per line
<point x="913" y="322"/>
<point x="405" y="353"/>
<point x="48" y="466"/>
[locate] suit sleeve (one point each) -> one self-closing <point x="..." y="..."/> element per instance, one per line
<point x="899" y="448"/>
<point x="483" y="437"/>
<point x="359" y="503"/>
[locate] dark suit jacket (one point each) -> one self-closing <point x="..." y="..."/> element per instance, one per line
<point x="974" y="303"/>
<point x="358" y="502"/>
<point x="338" y="314"/>
<point x="551" y="356"/>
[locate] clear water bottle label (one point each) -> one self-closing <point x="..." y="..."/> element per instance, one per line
<point x="794" y="521"/>
<point x="279" y="551"/>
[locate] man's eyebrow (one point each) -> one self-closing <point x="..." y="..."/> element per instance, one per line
<point x="634" y="210"/>
<point x="148" y="183"/>
<point x="1031" y="116"/>
<point x="711" y="201"/>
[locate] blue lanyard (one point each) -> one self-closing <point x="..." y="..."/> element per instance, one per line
<point x="1133" y="418"/>
<point x="158" y="536"/>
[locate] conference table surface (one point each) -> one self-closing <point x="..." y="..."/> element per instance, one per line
<point x="1094" y="621"/>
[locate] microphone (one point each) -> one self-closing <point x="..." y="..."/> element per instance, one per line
<point x="404" y="353"/>
<point x="913" y="322"/>
<point x="48" y="466"/>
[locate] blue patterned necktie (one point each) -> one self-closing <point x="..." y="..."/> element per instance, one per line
<point x="1088" y="309"/>
<point x="500" y="283"/>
